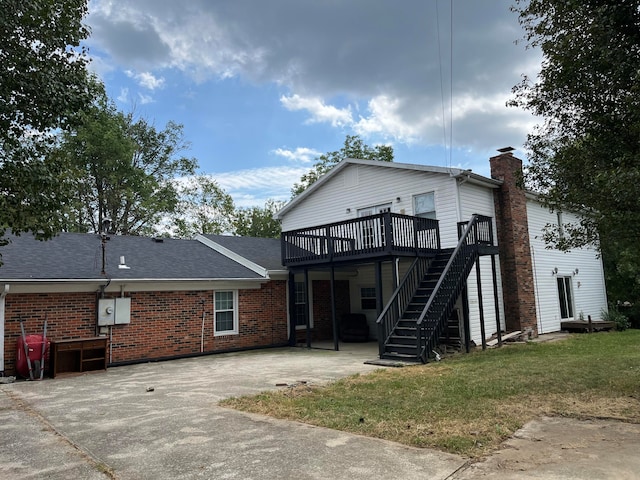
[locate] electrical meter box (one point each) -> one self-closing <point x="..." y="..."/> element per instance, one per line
<point x="114" y="311"/>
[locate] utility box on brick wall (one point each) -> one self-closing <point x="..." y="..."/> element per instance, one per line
<point x="114" y="311"/>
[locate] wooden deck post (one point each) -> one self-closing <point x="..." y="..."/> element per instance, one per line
<point x="465" y="316"/>
<point x="307" y="315"/>
<point x="292" y="309"/>
<point x="496" y="300"/>
<point x="480" y="304"/>
<point x="336" y="344"/>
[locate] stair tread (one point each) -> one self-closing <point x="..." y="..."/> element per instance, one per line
<point x="401" y="356"/>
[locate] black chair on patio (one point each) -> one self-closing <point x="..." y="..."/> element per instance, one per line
<point x="354" y="328"/>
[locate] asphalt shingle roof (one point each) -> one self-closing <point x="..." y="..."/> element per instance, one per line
<point x="265" y="252"/>
<point x="79" y="256"/>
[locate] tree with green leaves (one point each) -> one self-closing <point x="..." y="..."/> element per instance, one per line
<point x="258" y="221"/>
<point x="585" y="156"/>
<point x="353" y="147"/>
<point x="203" y="208"/>
<point x="43" y="83"/>
<point x="123" y="169"/>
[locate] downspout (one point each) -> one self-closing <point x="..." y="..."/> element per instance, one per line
<point x="460" y="178"/>
<point x="537" y="291"/>
<point x="3" y="294"/>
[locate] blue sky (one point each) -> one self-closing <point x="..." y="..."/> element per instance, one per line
<point x="264" y="87"/>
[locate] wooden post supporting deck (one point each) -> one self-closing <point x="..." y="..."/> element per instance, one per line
<point x="336" y="344"/>
<point x="480" y="304"/>
<point x="496" y="300"/>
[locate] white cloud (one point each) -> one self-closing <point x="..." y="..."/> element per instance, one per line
<point x="300" y="154"/>
<point x="145" y="99"/>
<point x="387" y="57"/>
<point x="385" y="119"/>
<point x="253" y="187"/>
<point x="123" y="97"/>
<point x="319" y="111"/>
<point x="146" y="79"/>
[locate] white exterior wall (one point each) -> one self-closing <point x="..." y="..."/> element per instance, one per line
<point x="361" y="186"/>
<point x="477" y="199"/>
<point x="589" y="294"/>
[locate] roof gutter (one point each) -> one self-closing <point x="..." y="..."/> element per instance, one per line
<point x="468" y="176"/>
<point x="3" y="294"/>
<point x="127" y="280"/>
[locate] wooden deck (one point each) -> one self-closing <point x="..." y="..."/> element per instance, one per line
<point x="382" y="235"/>
<point x="586" y="326"/>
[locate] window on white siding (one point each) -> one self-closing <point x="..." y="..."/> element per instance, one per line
<point x="424" y="205"/>
<point x="368" y="298"/>
<point x="560" y="226"/>
<point x="225" y="312"/>
<point x="372" y="230"/>
<point x="565" y="297"/>
<point x="382" y="208"/>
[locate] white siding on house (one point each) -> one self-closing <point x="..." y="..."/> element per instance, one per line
<point x="360" y="186"/>
<point x="589" y="295"/>
<point x="478" y="199"/>
<point x="366" y="277"/>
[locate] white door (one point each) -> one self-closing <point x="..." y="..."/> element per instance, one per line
<point x="372" y="230"/>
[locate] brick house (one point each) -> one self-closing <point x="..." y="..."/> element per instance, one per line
<point x="426" y="255"/>
<point x="184" y="296"/>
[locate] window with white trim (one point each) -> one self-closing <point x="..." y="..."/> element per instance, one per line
<point x="225" y="321"/>
<point x="368" y="298"/>
<point x="372" y="230"/>
<point x="565" y="296"/>
<point x="560" y="226"/>
<point x="424" y="205"/>
<point x="300" y="301"/>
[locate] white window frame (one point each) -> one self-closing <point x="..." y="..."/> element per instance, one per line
<point x="565" y="297"/>
<point x="372" y="231"/>
<point x="374" y="297"/>
<point x="308" y="295"/>
<point x="234" y="310"/>
<point x="560" y="226"/>
<point x="426" y="214"/>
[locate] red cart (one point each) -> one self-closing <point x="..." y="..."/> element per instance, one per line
<point x="31" y="350"/>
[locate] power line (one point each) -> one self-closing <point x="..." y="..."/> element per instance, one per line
<point x="444" y="123"/>
<point x="451" y="85"/>
<point x="448" y="147"/>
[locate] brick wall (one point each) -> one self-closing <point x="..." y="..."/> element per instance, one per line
<point x="515" y="249"/>
<point x="69" y="315"/>
<point x="163" y="324"/>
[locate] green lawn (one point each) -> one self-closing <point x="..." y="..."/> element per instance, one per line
<point x="468" y="404"/>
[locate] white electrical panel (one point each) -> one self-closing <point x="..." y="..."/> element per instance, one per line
<point x="123" y="310"/>
<point x="114" y="311"/>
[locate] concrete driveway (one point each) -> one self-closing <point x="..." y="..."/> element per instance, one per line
<point x="108" y="425"/>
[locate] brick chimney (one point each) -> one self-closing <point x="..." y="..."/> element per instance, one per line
<point x="513" y="241"/>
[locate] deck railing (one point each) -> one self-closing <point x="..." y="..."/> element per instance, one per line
<point x="380" y="234"/>
<point x="481" y="232"/>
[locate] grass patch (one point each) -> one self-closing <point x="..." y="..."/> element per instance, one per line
<point x="469" y="404"/>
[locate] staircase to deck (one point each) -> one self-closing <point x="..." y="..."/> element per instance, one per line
<point x="421" y="310"/>
<point x="401" y="344"/>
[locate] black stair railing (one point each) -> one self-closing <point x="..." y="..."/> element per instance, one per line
<point x="432" y="320"/>
<point x="402" y="295"/>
